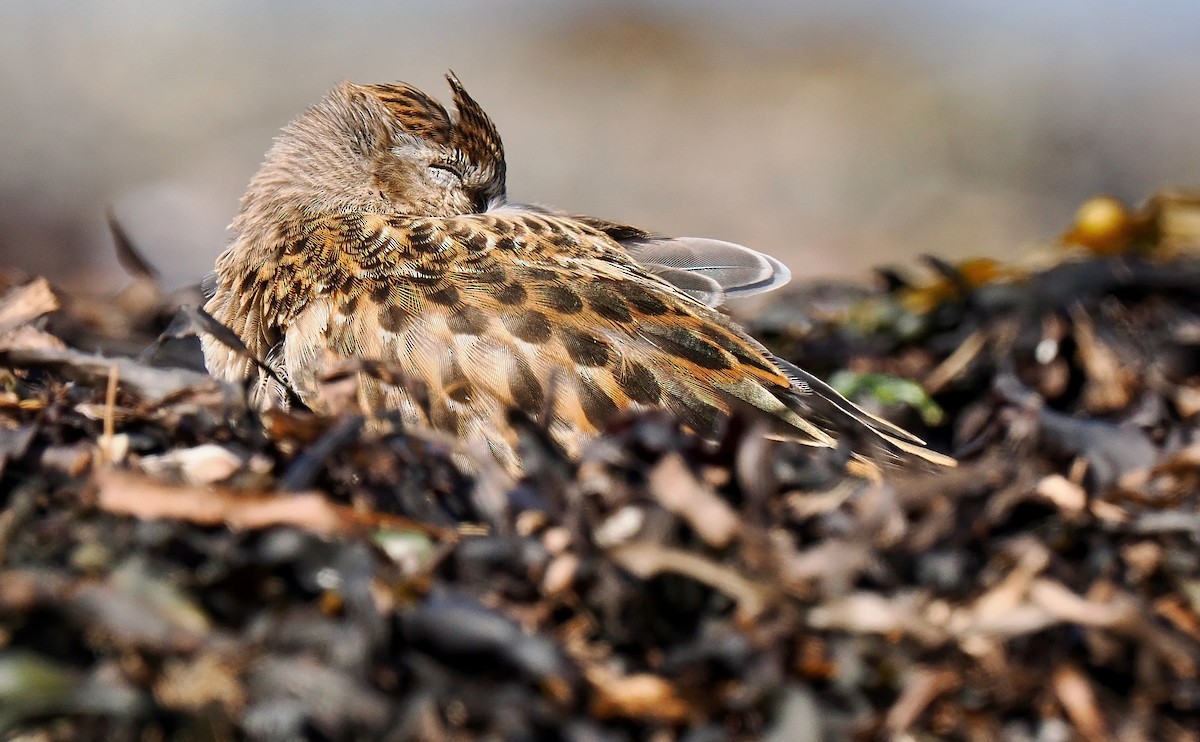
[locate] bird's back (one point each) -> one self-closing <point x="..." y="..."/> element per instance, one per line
<point x="482" y="313"/>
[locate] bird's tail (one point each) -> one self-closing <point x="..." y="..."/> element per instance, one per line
<point x="815" y="397"/>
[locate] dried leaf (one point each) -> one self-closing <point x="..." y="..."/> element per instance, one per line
<point x="639" y="696"/>
<point x="153" y="385"/>
<point x="678" y="490"/>
<point x="127" y="494"/>
<point x="922" y="688"/>
<point x="26" y="303"/>
<point x="207" y="463"/>
<point x="646" y="559"/>
<point x="1064" y="494"/>
<point x="1075" y="694"/>
<point x="193" y="685"/>
<point x="904" y="613"/>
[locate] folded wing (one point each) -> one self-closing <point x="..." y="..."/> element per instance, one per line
<point x="486" y="312"/>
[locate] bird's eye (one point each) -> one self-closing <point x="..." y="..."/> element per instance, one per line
<point x="444" y="174"/>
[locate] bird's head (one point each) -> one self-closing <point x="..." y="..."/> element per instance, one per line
<point x="390" y="149"/>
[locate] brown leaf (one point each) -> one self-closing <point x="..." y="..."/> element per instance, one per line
<point x="678" y="490"/>
<point x="922" y="689"/>
<point x="26" y="303"/>
<point x="1110" y="384"/>
<point x="1075" y="694"/>
<point x="638" y="696"/>
<point x="207" y="463"/>
<point x="645" y="560"/>
<point x="128" y="494"/>
<point x="147" y="382"/>
<point x="194" y="684"/>
<point x="906" y="613"/>
<point x="1067" y="496"/>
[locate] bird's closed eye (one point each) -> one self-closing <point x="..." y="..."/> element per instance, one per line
<point x="444" y="174"/>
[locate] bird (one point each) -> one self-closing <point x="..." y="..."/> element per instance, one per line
<point x="378" y="230"/>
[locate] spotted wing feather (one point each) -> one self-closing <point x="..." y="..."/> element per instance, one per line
<point x="492" y="311"/>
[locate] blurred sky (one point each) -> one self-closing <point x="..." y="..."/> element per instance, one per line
<point x="836" y="135"/>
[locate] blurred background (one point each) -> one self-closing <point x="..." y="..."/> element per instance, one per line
<point x="834" y="135"/>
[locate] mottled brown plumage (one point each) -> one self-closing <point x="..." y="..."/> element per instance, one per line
<point x="377" y="229"/>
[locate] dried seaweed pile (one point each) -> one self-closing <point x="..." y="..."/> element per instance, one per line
<point x="173" y="565"/>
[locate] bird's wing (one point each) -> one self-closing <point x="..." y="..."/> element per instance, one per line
<point x="733" y="269"/>
<point x="486" y="312"/>
<point x="705" y="269"/>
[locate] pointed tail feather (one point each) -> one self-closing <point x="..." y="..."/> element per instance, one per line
<point x="893" y="437"/>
